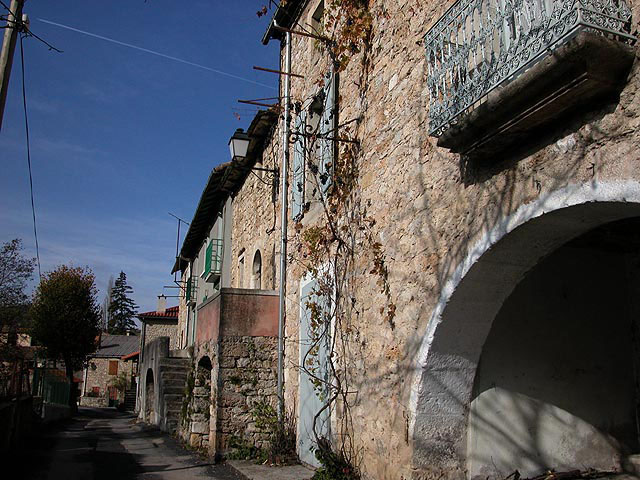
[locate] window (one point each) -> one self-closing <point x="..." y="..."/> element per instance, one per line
<point x="113" y="367"/>
<point x="319" y="119"/>
<point x="326" y="130"/>
<point x="316" y="19"/>
<point x="191" y="290"/>
<point x="241" y="269"/>
<point x="213" y="260"/>
<point x="256" y="271"/>
<point x="299" y="147"/>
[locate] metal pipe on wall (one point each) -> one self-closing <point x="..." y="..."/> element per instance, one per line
<point x="283" y="232"/>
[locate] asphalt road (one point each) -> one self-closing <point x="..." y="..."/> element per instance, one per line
<point x="103" y="444"/>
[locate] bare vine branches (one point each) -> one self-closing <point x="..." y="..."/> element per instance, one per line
<point x="336" y="239"/>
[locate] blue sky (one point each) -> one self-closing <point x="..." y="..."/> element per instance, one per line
<point x="120" y="137"/>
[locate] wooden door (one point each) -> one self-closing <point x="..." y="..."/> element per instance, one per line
<point x="312" y="392"/>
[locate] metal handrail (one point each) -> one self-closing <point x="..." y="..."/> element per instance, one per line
<point x="479" y="45"/>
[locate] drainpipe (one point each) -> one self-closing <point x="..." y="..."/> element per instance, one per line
<point x="283" y="233"/>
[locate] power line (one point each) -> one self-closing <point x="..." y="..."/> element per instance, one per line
<point x="153" y="52"/>
<point x="8" y="9"/>
<point x="24" y="27"/>
<point x="26" y="126"/>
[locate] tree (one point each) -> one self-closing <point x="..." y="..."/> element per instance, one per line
<point x="121" y="308"/>
<point x="15" y="273"/>
<point x="65" y="318"/>
<point x="105" y="306"/>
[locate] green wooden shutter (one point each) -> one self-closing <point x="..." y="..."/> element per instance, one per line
<point x="187" y="294"/>
<point x="327" y="129"/>
<point x="216" y="252"/>
<point x="297" y="187"/>
<point x="207" y="259"/>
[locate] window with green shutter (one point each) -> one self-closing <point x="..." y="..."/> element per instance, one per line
<point x="213" y="260"/>
<point x="187" y="294"/>
<point x="207" y="259"/>
<point x="190" y="290"/>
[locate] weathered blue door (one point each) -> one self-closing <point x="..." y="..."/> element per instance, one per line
<point x="314" y="351"/>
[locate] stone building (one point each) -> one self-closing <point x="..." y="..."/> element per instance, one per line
<point x="112" y="359"/>
<point x="162" y="322"/>
<point x="487" y="314"/>
<point x="230" y="311"/>
<point x="497" y="158"/>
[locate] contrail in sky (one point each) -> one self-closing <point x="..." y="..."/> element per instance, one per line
<point x="219" y="72"/>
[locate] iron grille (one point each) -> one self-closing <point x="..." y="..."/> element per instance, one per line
<point x="478" y="45"/>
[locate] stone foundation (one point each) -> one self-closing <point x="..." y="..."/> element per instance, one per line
<point x="247" y="375"/>
<point x="220" y="406"/>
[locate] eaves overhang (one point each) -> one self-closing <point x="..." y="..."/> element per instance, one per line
<point x="285" y="16"/>
<point x="225" y="180"/>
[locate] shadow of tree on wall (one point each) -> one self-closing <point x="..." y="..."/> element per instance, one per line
<point x="434" y="211"/>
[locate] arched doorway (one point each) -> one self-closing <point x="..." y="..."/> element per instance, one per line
<point x="256" y="271"/>
<point x="150" y="398"/>
<point x="201" y="408"/>
<point x="554" y="387"/>
<point x="480" y="400"/>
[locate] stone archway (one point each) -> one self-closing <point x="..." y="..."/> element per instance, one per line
<point x="443" y="387"/>
<point x="150" y="398"/>
<point x="201" y="408"/>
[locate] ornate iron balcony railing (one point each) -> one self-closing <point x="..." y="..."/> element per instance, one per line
<point x="479" y="45"/>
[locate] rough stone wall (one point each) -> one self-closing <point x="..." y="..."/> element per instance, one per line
<point x="429" y="211"/>
<point x="247" y="375"/>
<point x="154" y="352"/>
<point x="253" y="215"/>
<point x="94" y="401"/>
<point x="201" y="409"/>
<point x="98" y="374"/>
<point x="243" y="373"/>
<point x="158" y="328"/>
<point x="194" y="427"/>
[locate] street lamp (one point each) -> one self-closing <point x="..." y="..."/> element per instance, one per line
<point x="239" y="144"/>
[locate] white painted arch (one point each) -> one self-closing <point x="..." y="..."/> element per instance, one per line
<point x="472" y="296"/>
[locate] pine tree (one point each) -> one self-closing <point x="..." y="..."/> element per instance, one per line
<point x="121" y="308"/>
<point x="105" y="306"/>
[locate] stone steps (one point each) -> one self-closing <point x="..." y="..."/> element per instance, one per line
<point x="175" y="362"/>
<point x="172" y="425"/>
<point x="173" y="379"/>
<point x="130" y="400"/>
<point x="174" y="388"/>
<point x="173" y="373"/>
<point x="168" y="369"/>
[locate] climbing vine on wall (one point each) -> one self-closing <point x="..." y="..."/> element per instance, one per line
<point x="340" y="250"/>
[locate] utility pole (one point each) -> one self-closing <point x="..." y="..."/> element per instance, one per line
<point x="8" y="47"/>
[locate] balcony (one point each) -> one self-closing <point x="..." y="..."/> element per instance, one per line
<point x="238" y="312"/>
<point x="213" y="261"/>
<point x="191" y="290"/>
<point x="500" y="69"/>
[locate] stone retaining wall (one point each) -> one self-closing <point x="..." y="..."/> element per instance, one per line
<point x="222" y="400"/>
<point x="101" y="401"/>
<point x="247" y="375"/>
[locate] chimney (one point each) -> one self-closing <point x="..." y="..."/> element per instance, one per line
<point x="162" y="304"/>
